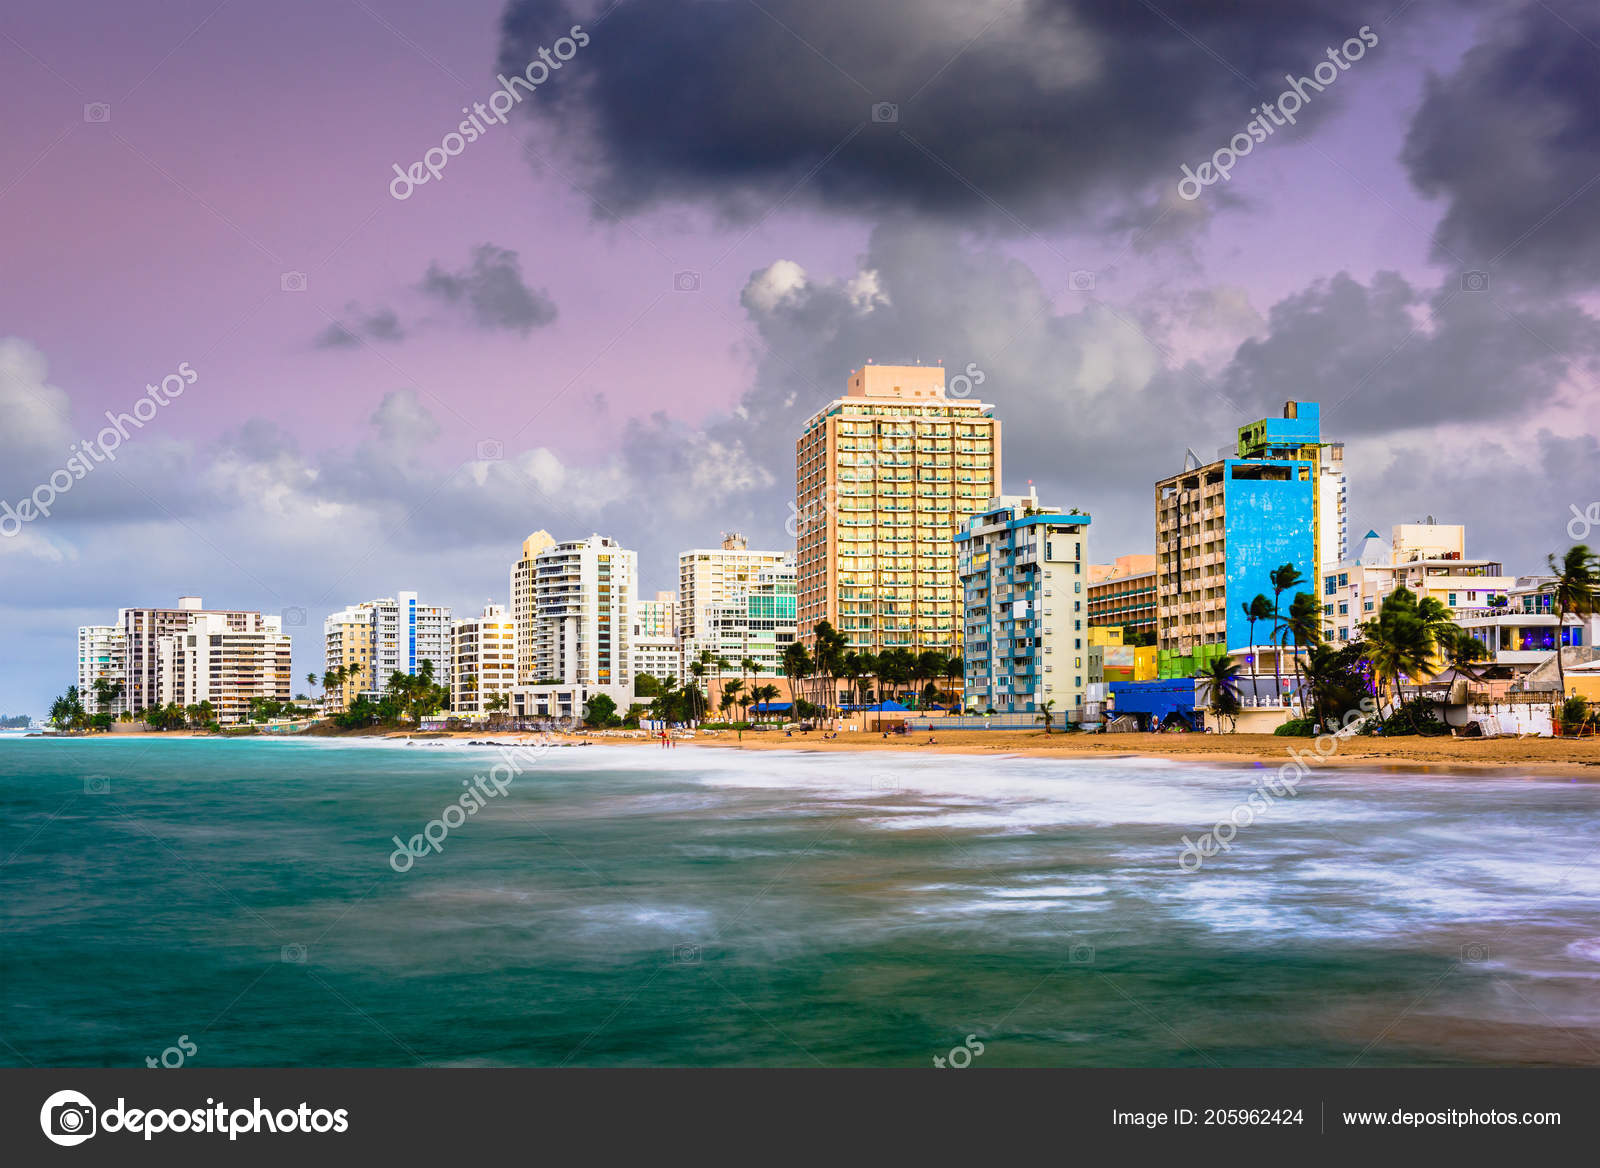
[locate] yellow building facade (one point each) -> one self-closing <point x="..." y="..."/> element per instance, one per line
<point x="884" y="478"/>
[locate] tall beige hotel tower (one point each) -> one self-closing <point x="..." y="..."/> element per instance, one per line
<point x="884" y="478"/>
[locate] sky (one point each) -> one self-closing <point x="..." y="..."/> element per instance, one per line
<point x="612" y="310"/>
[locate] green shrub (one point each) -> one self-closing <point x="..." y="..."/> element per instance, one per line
<point x="1297" y="728"/>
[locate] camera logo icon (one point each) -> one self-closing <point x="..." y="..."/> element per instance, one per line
<point x="686" y="954"/>
<point x="292" y="281"/>
<point x="885" y="111"/>
<point x="96" y="784"/>
<point x="68" y="1118"/>
<point x="1082" y="281"/>
<point x="97" y="112"/>
<point x="292" y="955"/>
<point x="491" y="450"/>
<point x="293" y="616"/>
<point x="1474" y="954"/>
<point x="1080" y="954"/>
<point x="1474" y="281"/>
<point x="686" y="282"/>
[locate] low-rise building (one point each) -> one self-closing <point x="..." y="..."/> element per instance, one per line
<point x="1024" y="572"/>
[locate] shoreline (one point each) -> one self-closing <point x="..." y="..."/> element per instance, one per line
<point x="1541" y="757"/>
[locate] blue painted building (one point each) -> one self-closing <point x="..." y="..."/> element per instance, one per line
<point x="1222" y="528"/>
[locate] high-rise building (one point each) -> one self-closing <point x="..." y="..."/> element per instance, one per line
<point x="1123" y="594"/>
<point x="1221" y="530"/>
<point x="523" y="603"/>
<point x="401" y="634"/>
<point x="347" y="655"/>
<point x="582" y="626"/>
<point x="654" y="643"/>
<point x="102" y="656"/>
<point x="757" y="622"/>
<point x="1024" y="579"/>
<point x="142" y="630"/>
<point x="212" y="661"/>
<point x="1298" y="435"/>
<point x="885" y="476"/>
<point x="708" y="577"/>
<point x="483" y="662"/>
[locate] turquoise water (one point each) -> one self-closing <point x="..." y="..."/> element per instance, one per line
<point x="708" y="907"/>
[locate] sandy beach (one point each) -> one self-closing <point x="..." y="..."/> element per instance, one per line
<point x="1576" y="757"/>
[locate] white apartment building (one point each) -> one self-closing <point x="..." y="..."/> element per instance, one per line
<point x="583" y="599"/>
<point x="713" y="576"/>
<point x="655" y="643"/>
<point x="1024" y="577"/>
<point x="1428" y="558"/>
<point x="102" y="656"/>
<point x="142" y="630"/>
<point x="523" y="601"/>
<point x="211" y="661"/>
<point x="483" y="661"/>
<point x="756" y="621"/>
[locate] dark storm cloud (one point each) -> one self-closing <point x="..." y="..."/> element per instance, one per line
<point x="1511" y="142"/>
<point x="1042" y="108"/>
<point x="1389" y="356"/>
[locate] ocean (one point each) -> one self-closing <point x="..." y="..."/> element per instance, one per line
<point x="698" y="907"/>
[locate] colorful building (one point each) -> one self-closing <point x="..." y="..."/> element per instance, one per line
<point x="885" y="477"/>
<point x="1221" y="530"/>
<point x="1024" y="572"/>
<point x="1297" y="436"/>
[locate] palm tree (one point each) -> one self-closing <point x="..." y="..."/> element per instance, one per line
<point x="748" y="667"/>
<point x="1304" y="624"/>
<point x="955" y="669"/>
<point x="1399" y="641"/>
<point x="1219" y="686"/>
<point x="730" y="695"/>
<point x="697" y="698"/>
<point x="1577" y="592"/>
<point x="931" y="664"/>
<point x="796" y="664"/>
<point x="311" y="681"/>
<point x="1259" y="609"/>
<point x="1460" y="649"/>
<point x="497" y="704"/>
<point x="1284" y="577"/>
<point x="1044" y="713"/>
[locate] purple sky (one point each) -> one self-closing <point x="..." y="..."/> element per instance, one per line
<point x="248" y="141"/>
